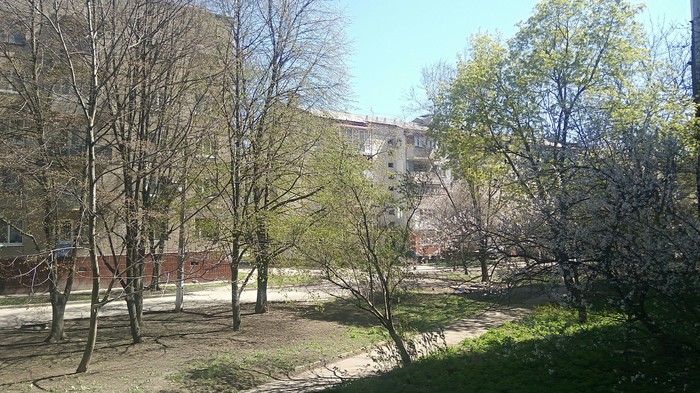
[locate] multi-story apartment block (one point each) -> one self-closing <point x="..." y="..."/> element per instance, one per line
<point x="42" y="159"/>
<point x="43" y="151"/>
<point x="399" y="148"/>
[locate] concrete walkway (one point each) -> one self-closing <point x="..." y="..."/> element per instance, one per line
<point x="18" y="316"/>
<point x="362" y="365"/>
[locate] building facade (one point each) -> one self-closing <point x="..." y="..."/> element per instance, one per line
<point x="398" y="148"/>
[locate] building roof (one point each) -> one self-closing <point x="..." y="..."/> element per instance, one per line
<point x="344" y="116"/>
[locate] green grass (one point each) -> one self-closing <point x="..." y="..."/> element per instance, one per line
<point x="243" y="370"/>
<point x="299" y="279"/>
<point x="425" y="312"/>
<point x="549" y="352"/>
<point x="414" y="311"/>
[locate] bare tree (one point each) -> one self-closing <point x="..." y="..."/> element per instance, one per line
<point x="153" y="101"/>
<point x="40" y="150"/>
<point x="77" y="32"/>
<point x="279" y="57"/>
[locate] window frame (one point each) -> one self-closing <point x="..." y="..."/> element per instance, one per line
<point x="10" y="231"/>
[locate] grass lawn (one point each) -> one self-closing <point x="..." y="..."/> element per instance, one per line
<point x="239" y="370"/>
<point x="549" y="352"/>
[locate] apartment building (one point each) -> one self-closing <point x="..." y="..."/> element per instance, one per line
<point x="42" y="151"/>
<point x="397" y="148"/>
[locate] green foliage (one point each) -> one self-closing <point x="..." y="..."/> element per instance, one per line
<point x="548" y="351"/>
<point x="595" y="144"/>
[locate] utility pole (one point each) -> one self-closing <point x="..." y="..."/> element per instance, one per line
<point x="695" y="73"/>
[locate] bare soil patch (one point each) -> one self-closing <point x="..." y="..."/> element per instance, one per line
<point x="174" y="347"/>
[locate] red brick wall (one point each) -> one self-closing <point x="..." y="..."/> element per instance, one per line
<point x="28" y="276"/>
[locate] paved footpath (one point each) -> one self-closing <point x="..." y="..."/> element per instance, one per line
<point x="362" y="365"/>
<point x="17" y="316"/>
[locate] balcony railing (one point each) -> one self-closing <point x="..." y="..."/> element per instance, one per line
<point x="417" y="152"/>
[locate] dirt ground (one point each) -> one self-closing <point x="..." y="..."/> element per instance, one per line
<point x="174" y="344"/>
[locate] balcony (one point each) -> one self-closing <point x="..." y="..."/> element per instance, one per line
<point x="417" y="153"/>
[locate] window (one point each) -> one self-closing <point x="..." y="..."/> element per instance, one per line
<point x="72" y="142"/>
<point x="419" y="167"/>
<point x="362" y="138"/>
<point x="67" y="231"/>
<point x="12" y="37"/>
<point x="67" y="238"/>
<point x="16" y="38"/>
<point x="13" y="131"/>
<point x="10" y="233"/>
<point x="207" y="228"/>
<point x="421" y="141"/>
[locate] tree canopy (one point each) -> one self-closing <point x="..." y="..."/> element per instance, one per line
<point x="596" y="148"/>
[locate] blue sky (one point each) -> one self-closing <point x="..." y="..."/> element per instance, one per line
<point x="393" y="39"/>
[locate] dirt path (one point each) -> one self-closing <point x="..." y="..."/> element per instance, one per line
<point x="363" y="365"/>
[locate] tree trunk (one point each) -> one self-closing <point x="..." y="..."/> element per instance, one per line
<point x="155" y="273"/>
<point x="135" y="255"/>
<point x="180" y="280"/>
<point x="92" y="334"/>
<point x="483" y="261"/>
<point x="484" y="256"/>
<point x="132" y="306"/>
<point x="92" y="221"/>
<point x="465" y="260"/>
<point x="134" y="301"/>
<point x="157" y="253"/>
<point x="235" y="296"/>
<point x="58" y="309"/>
<point x="480" y="217"/>
<point x="262" y="260"/>
<point x="261" y="299"/>
<point x="571" y="281"/>
<point x="400" y="344"/>
<point x="180" y="283"/>
<point x="58" y="299"/>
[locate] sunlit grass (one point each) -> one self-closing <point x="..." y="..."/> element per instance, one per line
<point x="549" y="351"/>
